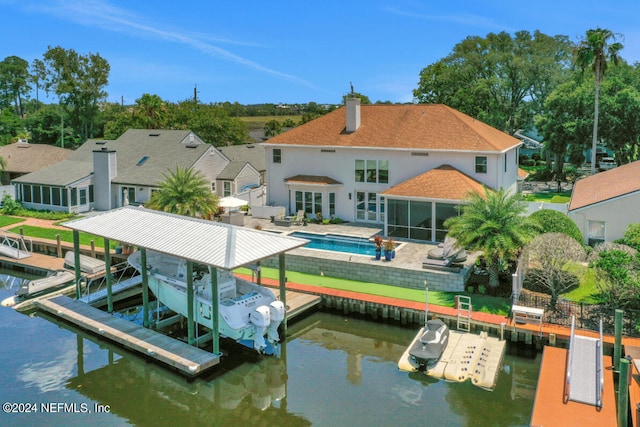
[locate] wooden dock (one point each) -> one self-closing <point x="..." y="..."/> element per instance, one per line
<point x="187" y="359"/>
<point x="550" y="407"/>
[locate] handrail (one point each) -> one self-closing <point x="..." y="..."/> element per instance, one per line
<point x="600" y="369"/>
<point x="18" y="239"/>
<point x="567" y="380"/>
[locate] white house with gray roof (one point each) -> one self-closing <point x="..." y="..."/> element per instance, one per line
<point x="103" y="175"/>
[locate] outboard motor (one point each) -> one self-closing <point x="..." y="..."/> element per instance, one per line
<point x="260" y="318"/>
<point x="277" y="316"/>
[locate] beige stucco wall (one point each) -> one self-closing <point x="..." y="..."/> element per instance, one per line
<point x="617" y="214"/>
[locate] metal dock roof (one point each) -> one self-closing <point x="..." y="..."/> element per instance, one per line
<point x="212" y="243"/>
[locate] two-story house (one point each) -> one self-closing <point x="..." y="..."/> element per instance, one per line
<point x="407" y="167"/>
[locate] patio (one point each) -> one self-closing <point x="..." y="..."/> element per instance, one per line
<point x="404" y="270"/>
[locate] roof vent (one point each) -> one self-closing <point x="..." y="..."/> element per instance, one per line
<point x="101" y="142"/>
<point x="155" y="134"/>
<point x="192" y="145"/>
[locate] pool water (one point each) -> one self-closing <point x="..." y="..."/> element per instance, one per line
<point x="337" y="243"/>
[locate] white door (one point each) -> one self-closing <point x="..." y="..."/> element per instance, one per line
<point x="83" y="199"/>
<point x="368" y="208"/>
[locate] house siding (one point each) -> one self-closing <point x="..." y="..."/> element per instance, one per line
<point x="210" y="165"/>
<point x="617" y="214"/>
<point x="247" y="176"/>
<point x="340" y="165"/>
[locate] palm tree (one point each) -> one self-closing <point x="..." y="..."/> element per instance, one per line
<point x="151" y="110"/>
<point x="595" y="51"/>
<point x="493" y="223"/>
<point x="184" y="192"/>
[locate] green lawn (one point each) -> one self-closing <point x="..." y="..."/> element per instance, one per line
<point x="9" y="220"/>
<point x="588" y="291"/>
<point x="562" y="197"/>
<point x="482" y="303"/>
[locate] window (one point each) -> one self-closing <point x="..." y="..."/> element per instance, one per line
<point x="37" y="194"/>
<point x="332" y="204"/>
<point x="226" y="188"/>
<point x="46" y="195"/>
<point x="481" y="164"/>
<point x="277" y="155"/>
<point x="309" y="202"/>
<point x="56" y="196"/>
<point x="74" y="197"/>
<point x="505" y="161"/>
<point x="372" y="171"/>
<point x="596" y="232"/>
<point x="91" y="193"/>
<point x="213" y="186"/>
<point x="26" y="193"/>
<point x="359" y="170"/>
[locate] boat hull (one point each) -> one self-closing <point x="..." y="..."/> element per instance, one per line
<point x="37" y="286"/>
<point x="247" y="313"/>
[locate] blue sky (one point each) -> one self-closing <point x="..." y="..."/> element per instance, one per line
<point x="286" y="51"/>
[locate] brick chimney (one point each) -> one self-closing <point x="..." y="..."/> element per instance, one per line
<point x="353" y="114"/>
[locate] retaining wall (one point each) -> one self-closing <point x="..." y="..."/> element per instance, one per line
<point x="379" y="272"/>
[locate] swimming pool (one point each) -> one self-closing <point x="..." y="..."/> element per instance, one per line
<point x="337" y="243"/>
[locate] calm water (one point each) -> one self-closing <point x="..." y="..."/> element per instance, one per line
<point x="334" y="371"/>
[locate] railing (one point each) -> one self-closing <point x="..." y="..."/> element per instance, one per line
<point x="600" y="370"/>
<point x="587" y="316"/>
<point x="567" y="380"/>
<point x="119" y="272"/>
<point x="17" y="242"/>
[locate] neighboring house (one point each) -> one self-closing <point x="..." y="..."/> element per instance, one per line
<point x="604" y="204"/>
<point x="408" y="167"/>
<point x="246" y="169"/>
<point x="103" y="175"/>
<point x="22" y="158"/>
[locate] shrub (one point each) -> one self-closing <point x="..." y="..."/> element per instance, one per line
<point x="631" y="236"/>
<point x="551" y="221"/>
<point x="9" y="205"/>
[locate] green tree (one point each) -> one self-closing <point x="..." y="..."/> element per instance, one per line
<point x="150" y="112"/>
<point x="79" y="81"/>
<point x="596" y="50"/>
<point x="14" y="82"/>
<point x="272" y="128"/>
<point x="499" y="79"/>
<point x="565" y="124"/>
<point x="493" y="223"/>
<point x="184" y="192"/>
<point x="619" y="278"/>
<point x="550" y="221"/>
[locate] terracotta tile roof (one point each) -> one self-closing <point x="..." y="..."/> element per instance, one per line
<point x="443" y="182"/>
<point x="312" y="179"/>
<point x="606" y="185"/>
<point x="424" y="127"/>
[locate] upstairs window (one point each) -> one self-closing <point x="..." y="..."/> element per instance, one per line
<point x="481" y="164"/>
<point x="372" y="171"/>
<point x="277" y="155"/>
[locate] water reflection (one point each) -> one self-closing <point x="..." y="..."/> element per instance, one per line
<point x="333" y="371"/>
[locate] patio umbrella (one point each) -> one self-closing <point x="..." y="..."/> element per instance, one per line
<point x="232" y="202"/>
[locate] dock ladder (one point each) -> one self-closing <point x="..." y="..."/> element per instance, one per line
<point x="464" y="312"/>
<point x="14" y="245"/>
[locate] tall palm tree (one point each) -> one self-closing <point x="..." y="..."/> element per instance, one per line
<point x="597" y="49"/>
<point x="493" y="223"/>
<point x="184" y="192"/>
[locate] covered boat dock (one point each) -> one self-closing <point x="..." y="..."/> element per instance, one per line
<point x="216" y="245"/>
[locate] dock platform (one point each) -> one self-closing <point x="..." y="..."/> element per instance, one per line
<point x="187" y="359"/>
<point x="467" y="356"/>
<point x="550" y="406"/>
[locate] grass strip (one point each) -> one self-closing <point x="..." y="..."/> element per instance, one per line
<point x="483" y="303"/>
<point x="65" y="235"/>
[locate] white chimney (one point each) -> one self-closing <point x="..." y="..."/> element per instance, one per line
<point x="353" y="114"/>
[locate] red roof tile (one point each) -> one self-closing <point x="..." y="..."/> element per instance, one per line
<point x="606" y="185"/>
<point x="443" y="182"/>
<point x="424" y="126"/>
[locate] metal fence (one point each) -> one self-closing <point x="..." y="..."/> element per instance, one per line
<point x="587" y="315"/>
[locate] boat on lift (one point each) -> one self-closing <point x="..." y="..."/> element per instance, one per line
<point x="247" y="313"/>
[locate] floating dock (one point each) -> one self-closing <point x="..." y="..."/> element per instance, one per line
<point x="188" y="359"/>
<point x="467" y="356"/>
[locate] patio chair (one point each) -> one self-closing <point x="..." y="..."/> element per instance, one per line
<point x="299" y="218"/>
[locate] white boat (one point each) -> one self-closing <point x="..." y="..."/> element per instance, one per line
<point x="53" y="280"/>
<point x="247" y="313"/>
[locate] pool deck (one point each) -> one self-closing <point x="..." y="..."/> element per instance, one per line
<point x="411" y="254"/>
